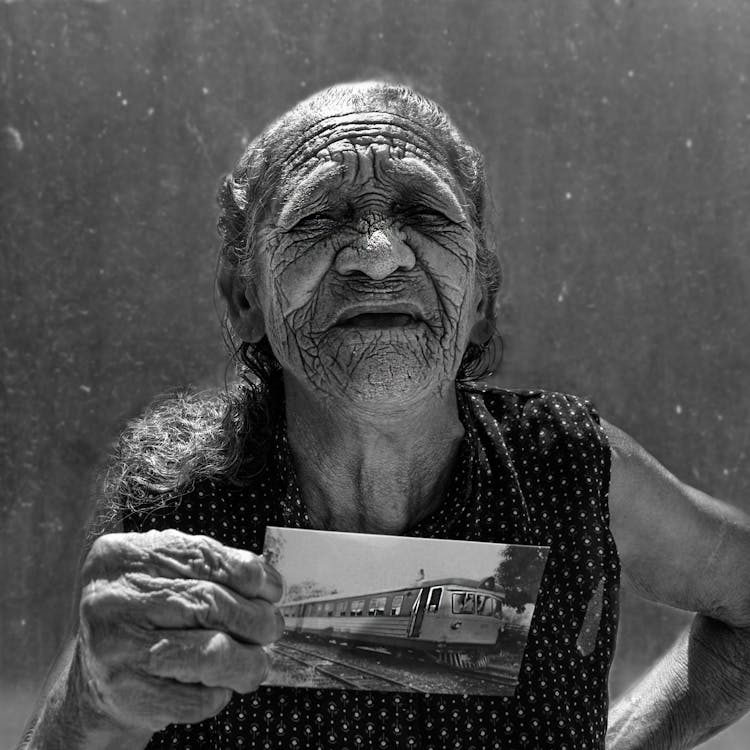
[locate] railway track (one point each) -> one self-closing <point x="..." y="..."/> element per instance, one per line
<point x="347" y="674"/>
<point x="493" y="676"/>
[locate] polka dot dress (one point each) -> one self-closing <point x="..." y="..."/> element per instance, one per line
<point x="533" y="469"/>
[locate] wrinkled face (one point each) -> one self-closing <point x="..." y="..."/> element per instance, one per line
<point x="366" y="273"/>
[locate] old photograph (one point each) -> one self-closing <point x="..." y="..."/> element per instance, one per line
<point x="375" y="612"/>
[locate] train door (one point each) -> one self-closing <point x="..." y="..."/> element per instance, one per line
<point x="427" y="601"/>
<point x="417" y="614"/>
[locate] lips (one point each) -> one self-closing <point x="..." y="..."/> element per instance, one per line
<point x="379" y="320"/>
<point x="380" y="316"/>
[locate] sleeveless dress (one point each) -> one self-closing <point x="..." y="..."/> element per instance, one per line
<point x="533" y="469"/>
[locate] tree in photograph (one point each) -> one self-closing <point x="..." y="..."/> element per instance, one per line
<point x="519" y="572"/>
<point x="308" y="590"/>
<point x="274" y="548"/>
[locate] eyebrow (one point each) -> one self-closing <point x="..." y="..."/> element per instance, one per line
<point x="325" y="180"/>
<point x="430" y="186"/>
<point x="310" y="193"/>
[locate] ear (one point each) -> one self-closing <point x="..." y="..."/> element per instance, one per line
<point x="484" y="320"/>
<point x="243" y="309"/>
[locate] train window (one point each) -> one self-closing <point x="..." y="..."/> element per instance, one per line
<point x="488" y="606"/>
<point x="463" y="604"/>
<point x="357" y="607"/>
<point x="434" y="603"/>
<point x="377" y="607"/>
<point x="329" y="609"/>
<point x="398" y="600"/>
<point x="342" y="608"/>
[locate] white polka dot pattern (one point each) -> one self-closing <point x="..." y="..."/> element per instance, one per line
<point x="533" y="469"/>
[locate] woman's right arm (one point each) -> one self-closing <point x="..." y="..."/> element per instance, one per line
<point x="169" y="625"/>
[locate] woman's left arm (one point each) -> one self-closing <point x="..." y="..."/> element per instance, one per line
<point x="681" y="547"/>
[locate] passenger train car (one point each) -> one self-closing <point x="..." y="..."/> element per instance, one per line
<point x="456" y="620"/>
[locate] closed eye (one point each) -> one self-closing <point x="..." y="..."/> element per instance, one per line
<point x="318" y="220"/>
<point x="422" y="215"/>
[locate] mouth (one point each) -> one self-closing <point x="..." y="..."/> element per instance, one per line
<point x="380" y="317"/>
<point x="379" y="320"/>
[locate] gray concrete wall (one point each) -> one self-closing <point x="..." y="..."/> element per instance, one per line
<point x="617" y="134"/>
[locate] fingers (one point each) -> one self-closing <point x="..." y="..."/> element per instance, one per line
<point x="173" y="554"/>
<point x="147" y="602"/>
<point x="154" y="702"/>
<point x="211" y="658"/>
<point x="151" y="678"/>
<point x="171" y="624"/>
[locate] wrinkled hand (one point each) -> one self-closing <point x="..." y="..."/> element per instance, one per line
<point x="171" y="624"/>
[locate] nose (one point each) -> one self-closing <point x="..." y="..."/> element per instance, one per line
<point x="378" y="254"/>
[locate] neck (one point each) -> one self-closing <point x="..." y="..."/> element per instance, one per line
<point x="372" y="469"/>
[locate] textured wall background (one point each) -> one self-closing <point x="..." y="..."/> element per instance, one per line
<point x="618" y="141"/>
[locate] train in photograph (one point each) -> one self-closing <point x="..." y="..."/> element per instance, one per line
<point x="458" y="621"/>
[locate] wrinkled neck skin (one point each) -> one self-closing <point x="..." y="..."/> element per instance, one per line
<point x="377" y="470"/>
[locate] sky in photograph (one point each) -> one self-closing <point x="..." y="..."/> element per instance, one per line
<point x="353" y="563"/>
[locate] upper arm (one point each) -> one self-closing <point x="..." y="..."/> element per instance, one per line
<point x="677" y="544"/>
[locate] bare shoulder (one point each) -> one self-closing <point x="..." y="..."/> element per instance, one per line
<point x="677" y="544"/>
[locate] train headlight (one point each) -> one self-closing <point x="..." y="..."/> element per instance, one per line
<point x="456" y="625"/>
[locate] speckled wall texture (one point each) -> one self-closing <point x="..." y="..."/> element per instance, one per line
<point x="618" y="141"/>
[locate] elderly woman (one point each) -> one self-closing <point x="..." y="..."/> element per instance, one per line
<point x="361" y="291"/>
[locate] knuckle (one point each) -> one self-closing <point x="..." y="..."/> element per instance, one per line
<point x="162" y="653"/>
<point x="207" y="542"/>
<point x="96" y="606"/>
<point x="203" y="602"/>
<point x="104" y="549"/>
<point x="219" y="651"/>
<point x="88" y="607"/>
<point x="104" y="544"/>
<point x="168" y="536"/>
<point x="212" y="607"/>
<point x="163" y="534"/>
<point x="256" y="573"/>
<point x="207" y="560"/>
<point x="249" y="622"/>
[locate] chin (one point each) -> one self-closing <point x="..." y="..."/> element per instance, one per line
<point x="375" y="392"/>
<point x="384" y="371"/>
<point x="389" y="385"/>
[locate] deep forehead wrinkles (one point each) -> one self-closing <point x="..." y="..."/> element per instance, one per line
<point x="357" y="147"/>
<point x="363" y="128"/>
